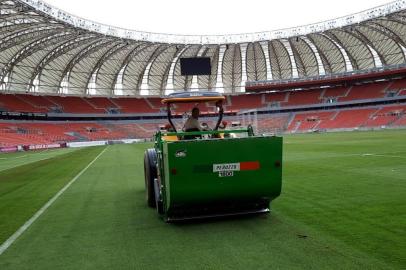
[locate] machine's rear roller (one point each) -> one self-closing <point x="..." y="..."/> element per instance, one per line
<point x="219" y="209"/>
<point x="158" y="200"/>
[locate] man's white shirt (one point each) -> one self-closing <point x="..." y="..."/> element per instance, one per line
<point x="192" y="123"/>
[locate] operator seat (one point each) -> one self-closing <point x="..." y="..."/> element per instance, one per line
<point x="191" y="137"/>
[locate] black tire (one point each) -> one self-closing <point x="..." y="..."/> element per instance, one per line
<point x="150" y="173"/>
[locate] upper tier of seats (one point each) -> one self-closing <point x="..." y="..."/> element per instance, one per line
<point x="103" y="105"/>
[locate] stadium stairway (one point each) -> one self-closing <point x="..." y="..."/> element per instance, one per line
<point x="366" y="91"/>
<point x="77" y="136"/>
<point x="272" y="123"/>
<point x="401" y="121"/>
<point x="155" y="103"/>
<point x="304" y="97"/>
<point x="103" y="108"/>
<point x="335" y="93"/>
<point x="386" y="116"/>
<point x="124" y="129"/>
<point x="12" y="103"/>
<point x="134" y="105"/>
<point x="398" y="85"/>
<point x="241" y="102"/>
<point x="40" y="105"/>
<point x="402" y="93"/>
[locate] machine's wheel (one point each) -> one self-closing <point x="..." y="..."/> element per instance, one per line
<point x="150" y="173"/>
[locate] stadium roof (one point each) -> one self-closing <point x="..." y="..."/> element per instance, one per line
<point x="44" y="49"/>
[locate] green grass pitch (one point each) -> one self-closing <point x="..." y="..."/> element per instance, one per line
<point x="343" y="206"/>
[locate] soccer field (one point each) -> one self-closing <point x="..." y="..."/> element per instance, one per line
<point x="343" y="206"/>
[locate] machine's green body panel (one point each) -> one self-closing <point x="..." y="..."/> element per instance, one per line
<point x="187" y="176"/>
<point x="202" y="172"/>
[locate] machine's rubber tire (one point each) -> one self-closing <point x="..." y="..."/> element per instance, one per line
<point x="150" y="173"/>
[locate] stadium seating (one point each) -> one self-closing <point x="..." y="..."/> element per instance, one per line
<point x="133" y="105"/>
<point x="309" y="121"/>
<point x="335" y="92"/>
<point x="272" y="99"/>
<point x="26" y="132"/>
<point x="304" y="97"/>
<point x="273" y="123"/>
<point x="347" y="119"/>
<point x="13" y="103"/>
<point x="385" y="116"/>
<point x="31" y="133"/>
<point x="398" y="85"/>
<point x="401" y="121"/>
<point x="367" y="91"/>
<point x="74" y="105"/>
<point x="40" y="133"/>
<point x="235" y="103"/>
<point x="133" y="130"/>
<point x="101" y="103"/>
<point x="41" y="102"/>
<point x="155" y="103"/>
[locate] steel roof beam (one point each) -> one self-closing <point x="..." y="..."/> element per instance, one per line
<point x="90" y="49"/>
<point x="114" y="49"/>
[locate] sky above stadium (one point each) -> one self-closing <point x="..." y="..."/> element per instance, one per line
<point x="211" y="17"/>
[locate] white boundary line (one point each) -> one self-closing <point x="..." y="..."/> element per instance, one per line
<point x="27" y="224"/>
<point x="381" y="155"/>
<point x="22" y="164"/>
<point x="35" y="154"/>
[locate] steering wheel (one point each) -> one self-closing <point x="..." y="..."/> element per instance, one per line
<point x="205" y="126"/>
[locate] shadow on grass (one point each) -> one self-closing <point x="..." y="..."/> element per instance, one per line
<point x="141" y="211"/>
<point x="195" y="221"/>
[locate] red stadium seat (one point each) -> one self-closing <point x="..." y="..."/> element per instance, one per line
<point x="304" y="97"/>
<point x="239" y="102"/>
<point x="14" y="103"/>
<point x="309" y="121"/>
<point x="75" y="105"/>
<point x="348" y="119"/>
<point x="100" y="103"/>
<point x="367" y="91"/>
<point x="336" y="92"/>
<point x="133" y="105"/>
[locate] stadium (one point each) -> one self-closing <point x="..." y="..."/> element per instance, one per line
<point x="83" y="103"/>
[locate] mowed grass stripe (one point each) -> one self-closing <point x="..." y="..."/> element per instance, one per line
<point x="102" y="222"/>
<point x="27" y="224"/>
<point x="12" y="160"/>
<point x="360" y="199"/>
<point x="25" y="189"/>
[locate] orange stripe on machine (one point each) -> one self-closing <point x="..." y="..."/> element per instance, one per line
<point x="249" y="166"/>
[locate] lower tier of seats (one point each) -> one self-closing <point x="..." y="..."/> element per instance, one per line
<point x="14" y="133"/>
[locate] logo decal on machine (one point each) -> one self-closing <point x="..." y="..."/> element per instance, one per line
<point x="180" y="153"/>
<point x="228" y="169"/>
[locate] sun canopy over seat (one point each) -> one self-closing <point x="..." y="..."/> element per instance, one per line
<point x="193" y="97"/>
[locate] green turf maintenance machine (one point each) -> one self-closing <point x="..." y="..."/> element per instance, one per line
<point x="211" y="173"/>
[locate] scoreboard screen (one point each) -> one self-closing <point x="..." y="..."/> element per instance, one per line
<point x="195" y="66"/>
